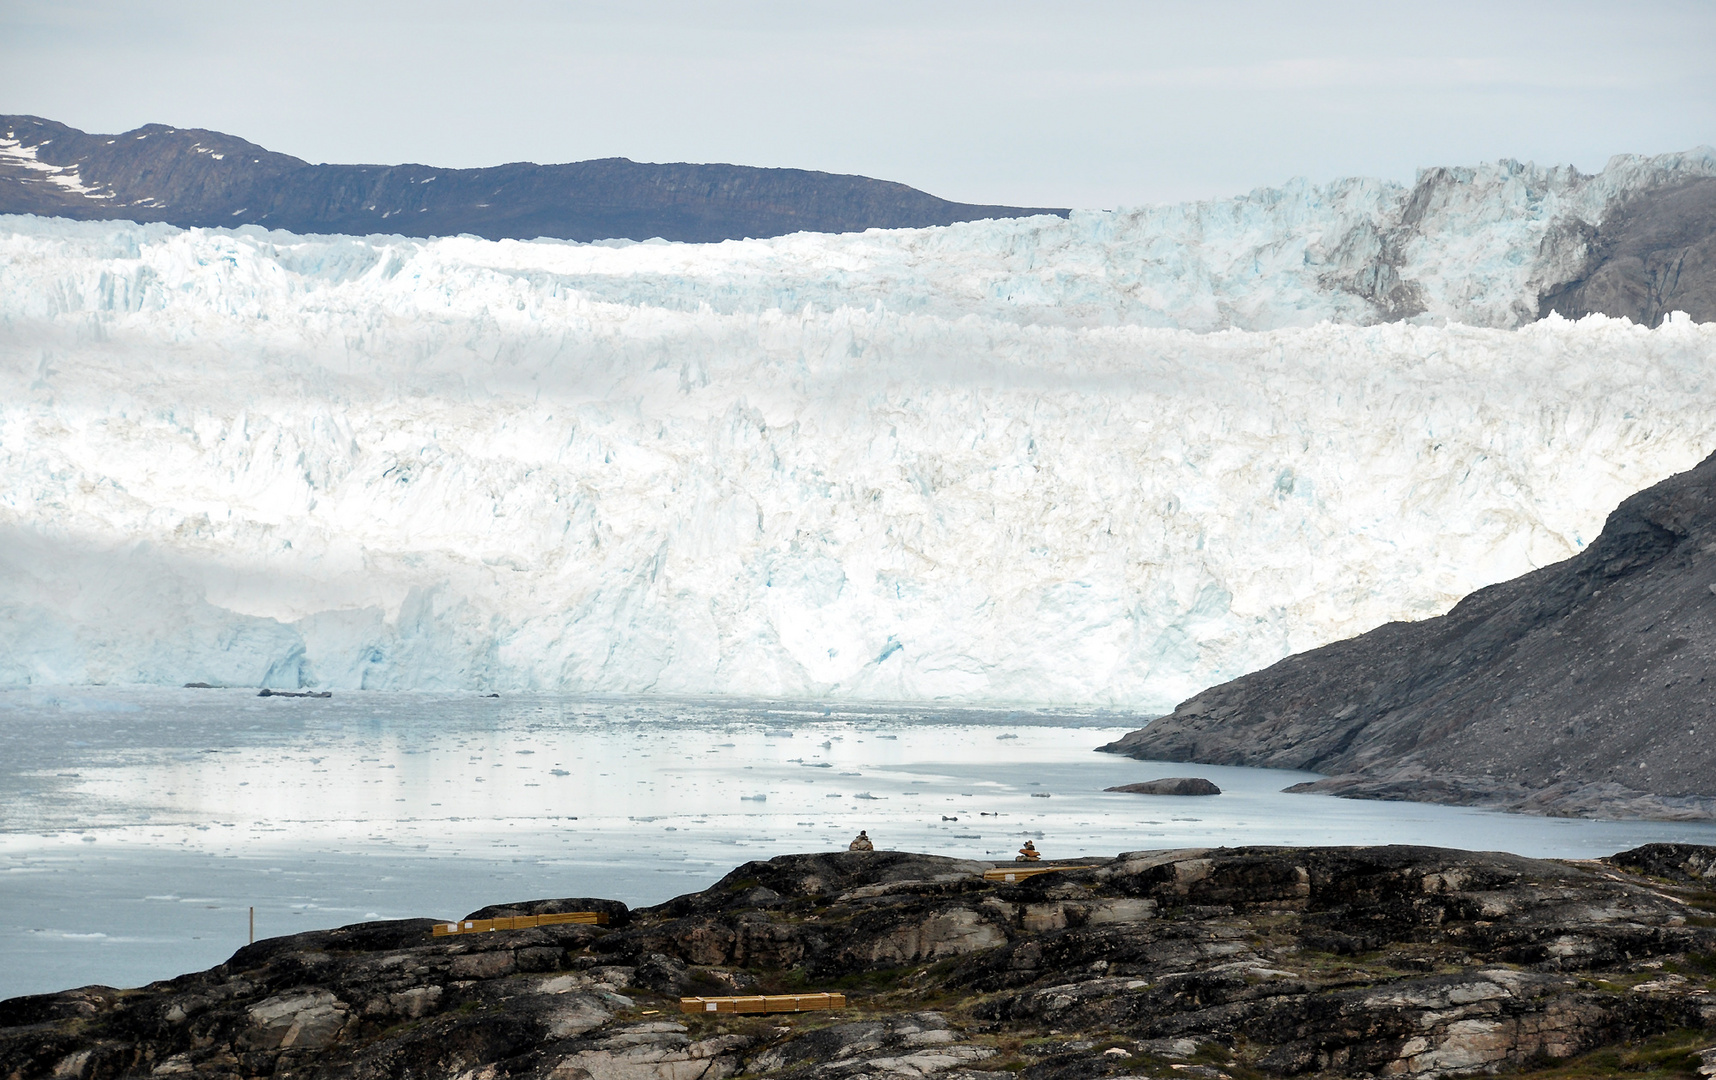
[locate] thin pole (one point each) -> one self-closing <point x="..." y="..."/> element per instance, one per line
<point x="253" y="926"/>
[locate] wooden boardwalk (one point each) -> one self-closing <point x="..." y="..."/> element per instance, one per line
<point x="1023" y="871"/>
<point x="520" y="922"/>
<point x="762" y="1003"/>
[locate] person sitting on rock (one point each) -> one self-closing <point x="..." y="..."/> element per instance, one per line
<point x="1028" y="853"/>
<point x="862" y="843"/>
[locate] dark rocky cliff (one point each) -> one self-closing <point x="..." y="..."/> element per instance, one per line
<point x="1586" y="687"/>
<point x="1209" y="963"/>
<point x="1654" y="254"/>
<point x="192" y="177"/>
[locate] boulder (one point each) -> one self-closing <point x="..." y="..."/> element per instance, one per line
<point x="1173" y="785"/>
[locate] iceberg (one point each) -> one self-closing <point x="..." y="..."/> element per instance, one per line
<point x="1108" y="460"/>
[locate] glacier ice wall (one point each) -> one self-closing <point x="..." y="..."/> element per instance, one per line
<point x="1471" y="245"/>
<point x="952" y="463"/>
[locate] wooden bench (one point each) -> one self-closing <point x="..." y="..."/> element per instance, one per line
<point x="520" y="922"/>
<point x="1023" y="871"/>
<point x="762" y="1003"/>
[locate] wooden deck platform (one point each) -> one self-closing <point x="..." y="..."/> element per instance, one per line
<point x="1023" y="871"/>
<point x="762" y="1003"/>
<point x="520" y="922"/>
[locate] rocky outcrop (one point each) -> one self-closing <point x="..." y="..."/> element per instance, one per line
<point x="1416" y="962"/>
<point x="1654" y="254"/>
<point x="192" y="177"/>
<point x="1687" y="863"/>
<point x="1175" y="785"/>
<point x="1582" y="688"/>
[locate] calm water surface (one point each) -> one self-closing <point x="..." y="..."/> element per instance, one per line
<point x="138" y="826"/>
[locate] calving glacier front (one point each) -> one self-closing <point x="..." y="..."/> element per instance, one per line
<point x="248" y="457"/>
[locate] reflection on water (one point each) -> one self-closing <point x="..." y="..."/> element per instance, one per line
<point x="140" y="824"/>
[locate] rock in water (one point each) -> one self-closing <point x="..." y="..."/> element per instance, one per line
<point x="1239" y="958"/>
<point x="1174" y="785"/>
<point x="1582" y="688"/>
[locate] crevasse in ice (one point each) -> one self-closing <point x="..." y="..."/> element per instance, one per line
<point x="1105" y="460"/>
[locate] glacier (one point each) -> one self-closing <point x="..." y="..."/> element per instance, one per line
<point x="1107" y="460"/>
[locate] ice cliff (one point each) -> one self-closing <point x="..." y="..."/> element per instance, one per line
<point x="1114" y="458"/>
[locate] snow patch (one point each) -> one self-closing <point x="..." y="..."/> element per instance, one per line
<point x="13" y="152"/>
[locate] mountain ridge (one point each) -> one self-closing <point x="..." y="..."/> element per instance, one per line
<point x="206" y="178"/>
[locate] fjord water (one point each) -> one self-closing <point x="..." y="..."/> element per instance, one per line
<point x="141" y="824"/>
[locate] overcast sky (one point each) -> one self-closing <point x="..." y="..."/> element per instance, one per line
<point x="1066" y="104"/>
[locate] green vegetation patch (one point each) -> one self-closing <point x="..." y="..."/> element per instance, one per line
<point x="1695" y="964"/>
<point x="1672" y="1055"/>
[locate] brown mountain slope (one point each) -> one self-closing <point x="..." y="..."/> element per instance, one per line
<point x="1582" y="688"/>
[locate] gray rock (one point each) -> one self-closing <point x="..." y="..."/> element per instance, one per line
<point x="1582" y="688"/>
<point x="1654" y="254"/>
<point x="663" y="974"/>
<point x="1177" y="785"/>
<point x="909" y="1046"/>
<point x="642" y="1055"/>
<point x="304" y="1021"/>
<point x="1682" y="862"/>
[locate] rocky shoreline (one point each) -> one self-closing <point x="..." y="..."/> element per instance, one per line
<point x="1578" y="690"/>
<point x="1213" y="963"/>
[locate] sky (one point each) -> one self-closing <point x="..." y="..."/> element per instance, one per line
<point x="1095" y="104"/>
